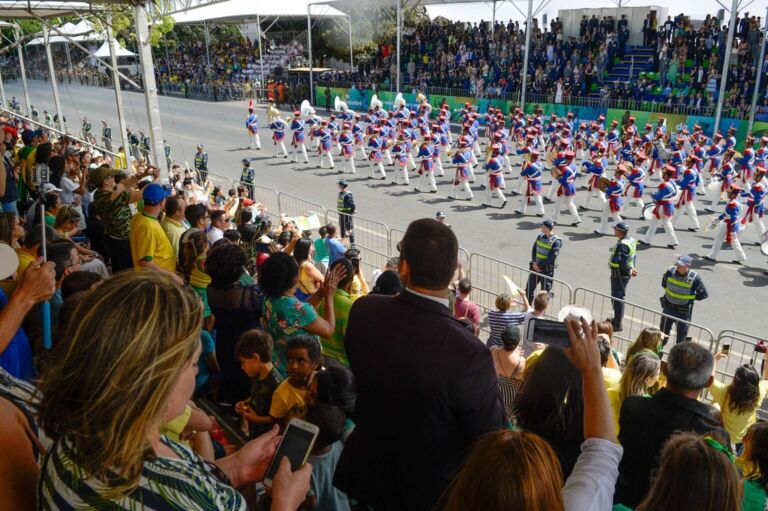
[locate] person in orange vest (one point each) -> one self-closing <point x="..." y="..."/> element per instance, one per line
<point x="280" y="93"/>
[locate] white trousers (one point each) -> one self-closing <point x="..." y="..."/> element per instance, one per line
<point x="720" y="235"/>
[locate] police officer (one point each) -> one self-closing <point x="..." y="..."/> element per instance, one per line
<point x="247" y="177"/>
<point x="440" y="217"/>
<point x="682" y="286"/>
<point x="106" y="135"/>
<point x="86" y="129"/>
<point x="201" y="163"/>
<point x="35" y="113"/>
<point x="345" y="204"/>
<point x="622" y="264"/>
<point x="543" y="258"/>
<point x="133" y="142"/>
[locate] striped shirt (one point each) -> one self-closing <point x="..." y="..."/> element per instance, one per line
<point x="499" y="321"/>
<point x="116" y="214"/>
<point x="184" y="484"/>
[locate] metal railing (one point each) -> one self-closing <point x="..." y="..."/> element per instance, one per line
<point x="636" y="318"/>
<point x="369" y="233"/>
<point x="296" y="206"/>
<point x="742" y="349"/>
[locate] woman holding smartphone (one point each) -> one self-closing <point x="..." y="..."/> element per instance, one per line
<point x="122" y="372"/>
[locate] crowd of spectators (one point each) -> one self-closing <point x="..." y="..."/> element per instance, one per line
<point x="194" y="296"/>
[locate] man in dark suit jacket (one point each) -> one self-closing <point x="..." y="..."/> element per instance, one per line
<point x="645" y="424"/>
<point x="426" y="387"/>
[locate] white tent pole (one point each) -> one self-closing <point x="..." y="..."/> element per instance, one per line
<point x="351" y="59"/>
<point x="118" y="93"/>
<point x="54" y="86"/>
<point x="207" y="50"/>
<point x="309" y="47"/>
<point x="261" y="54"/>
<point x="399" y="30"/>
<point x="150" y="88"/>
<point x="726" y="62"/>
<point x="2" y="92"/>
<point x="22" y="69"/>
<point x="69" y="57"/>
<point x="759" y="75"/>
<point x="528" y="29"/>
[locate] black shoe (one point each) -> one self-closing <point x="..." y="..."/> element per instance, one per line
<point x="643" y="242"/>
<point x="737" y="262"/>
<point x="709" y="258"/>
<point x="696" y="229"/>
<point x="503" y="204"/>
<point x="575" y="224"/>
<point x="671" y="245"/>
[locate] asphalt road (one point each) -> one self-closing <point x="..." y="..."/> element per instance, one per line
<point x="737" y="293"/>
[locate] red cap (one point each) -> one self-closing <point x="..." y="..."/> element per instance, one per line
<point x="569" y="154"/>
<point x="296" y="113"/>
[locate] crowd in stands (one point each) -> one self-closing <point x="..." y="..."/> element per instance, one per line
<point x="165" y="294"/>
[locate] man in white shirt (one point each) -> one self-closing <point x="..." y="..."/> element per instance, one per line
<point x="540" y="306"/>
<point x="219" y="223"/>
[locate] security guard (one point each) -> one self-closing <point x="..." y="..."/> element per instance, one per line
<point x="35" y="113"/>
<point x="682" y="286"/>
<point x="201" y="163"/>
<point x="133" y="141"/>
<point x="247" y="177"/>
<point x="146" y="146"/>
<point x="345" y="204"/>
<point x="440" y="217"/>
<point x="106" y="135"/>
<point x="543" y="258"/>
<point x="86" y="129"/>
<point x="622" y="264"/>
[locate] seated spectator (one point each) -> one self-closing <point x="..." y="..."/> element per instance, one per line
<point x="303" y="356"/>
<point x="610" y="375"/>
<point x="639" y="379"/>
<point x="284" y="315"/>
<point x="79" y="281"/>
<point x="359" y="285"/>
<point x="333" y="244"/>
<point x="321" y="252"/>
<point x="694" y="473"/>
<point x="232" y="235"/>
<point x="198" y="219"/>
<point x="237" y="308"/>
<point x="103" y="453"/>
<point x="549" y="404"/>
<point x="310" y="278"/>
<point x="254" y="350"/>
<point x="388" y="284"/>
<point x="66" y="227"/>
<point x="509" y="364"/>
<point x="519" y="470"/>
<point x="333" y="346"/>
<point x="219" y="223"/>
<point x="502" y="317"/>
<point x="645" y="424"/>
<point x="466" y="308"/>
<point x="208" y="377"/>
<point x="195" y="255"/>
<point x="244" y="226"/>
<point x="391" y="265"/>
<point x="740" y="399"/>
<point x="335" y="385"/>
<point x="324" y="458"/>
<point x="754" y="467"/>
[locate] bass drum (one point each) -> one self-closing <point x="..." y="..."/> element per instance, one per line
<point x="648" y="211"/>
<point x="764" y="244"/>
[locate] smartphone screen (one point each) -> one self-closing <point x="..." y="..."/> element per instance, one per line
<point x="726" y="348"/>
<point x="296" y="444"/>
<point x="547" y="331"/>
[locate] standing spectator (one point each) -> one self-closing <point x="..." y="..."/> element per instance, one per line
<point x="150" y="247"/>
<point x="645" y="424"/>
<point x="466" y="308"/>
<point x="333" y="346"/>
<point x="509" y="363"/>
<point x="173" y="223"/>
<point x="502" y="317"/>
<point x="540" y="306"/>
<point x="325" y="456"/>
<point x="391" y="459"/>
<point x="333" y="244"/>
<point x="740" y="399"/>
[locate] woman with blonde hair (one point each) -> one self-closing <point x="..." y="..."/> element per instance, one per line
<point x="649" y="339"/>
<point x="121" y="373"/>
<point x="638" y="379"/>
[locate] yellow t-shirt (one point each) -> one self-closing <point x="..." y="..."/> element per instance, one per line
<point x="611" y="377"/>
<point x="174" y="428"/>
<point x="25" y="259"/>
<point x="736" y="424"/>
<point x="173" y="230"/>
<point x="288" y="399"/>
<point x="149" y="243"/>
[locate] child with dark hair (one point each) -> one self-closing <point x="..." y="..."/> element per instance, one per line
<point x="325" y="455"/>
<point x="254" y="350"/>
<point x="79" y="281"/>
<point x="303" y="356"/>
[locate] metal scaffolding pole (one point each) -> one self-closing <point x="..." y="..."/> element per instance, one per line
<point x="54" y="86"/>
<point x="261" y="54"/>
<point x="726" y="62"/>
<point x="351" y="58"/>
<point x="528" y="29"/>
<point x="69" y="57"/>
<point x="118" y="93"/>
<point x="2" y="91"/>
<point x="759" y="75"/>
<point x="493" y="19"/>
<point x="22" y="69"/>
<point x="309" y="47"/>
<point x="150" y="88"/>
<point x="399" y="32"/>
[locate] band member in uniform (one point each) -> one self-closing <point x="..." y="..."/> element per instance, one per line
<point x="247" y="176"/>
<point x="375" y="143"/>
<point x="325" y="147"/>
<point x="543" y="259"/>
<point x="755" y="208"/>
<point x="106" y="135"/>
<point x="495" y="168"/>
<point x="399" y="153"/>
<point x="636" y="184"/>
<point x="252" y="127"/>
<point x="622" y="265"/>
<point x="566" y="193"/>
<point x="345" y="204"/>
<point x="682" y="286"/>
<point x="201" y="163"/>
<point x="298" y="137"/>
<point x="461" y="159"/>
<point x="686" y="204"/>
<point x="278" y="127"/>
<point x="665" y="208"/>
<point x="426" y="158"/>
<point x="437" y="147"/>
<point x="615" y="203"/>
<point x="729" y="228"/>
<point x="595" y="169"/>
<point x="724" y="175"/>
<point x="532" y="172"/>
<point x="347" y="141"/>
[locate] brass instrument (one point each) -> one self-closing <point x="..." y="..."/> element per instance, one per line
<point x="603" y="183"/>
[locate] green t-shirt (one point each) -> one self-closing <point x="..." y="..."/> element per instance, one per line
<point x="755" y="498"/>
<point x="286" y="317"/>
<point x="321" y="253"/>
<point x="333" y="347"/>
<point x="116" y="214"/>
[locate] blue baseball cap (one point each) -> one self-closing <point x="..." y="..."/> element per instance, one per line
<point x="548" y="223"/>
<point x="622" y="226"/>
<point x="154" y="194"/>
<point x="684" y="260"/>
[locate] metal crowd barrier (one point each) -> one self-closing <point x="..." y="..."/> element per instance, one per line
<point x="637" y="318"/>
<point x="223" y="183"/>
<point x="487" y="275"/>
<point x="268" y="197"/>
<point x="395" y="237"/>
<point x="296" y="206"/>
<point x="743" y="349"/>
<point x="368" y="233"/>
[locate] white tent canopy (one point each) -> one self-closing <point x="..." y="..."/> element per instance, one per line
<point x="238" y="11"/>
<point x="103" y="52"/>
<point x="84" y="31"/>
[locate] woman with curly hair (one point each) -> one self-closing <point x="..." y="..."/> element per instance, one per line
<point x="754" y="468"/>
